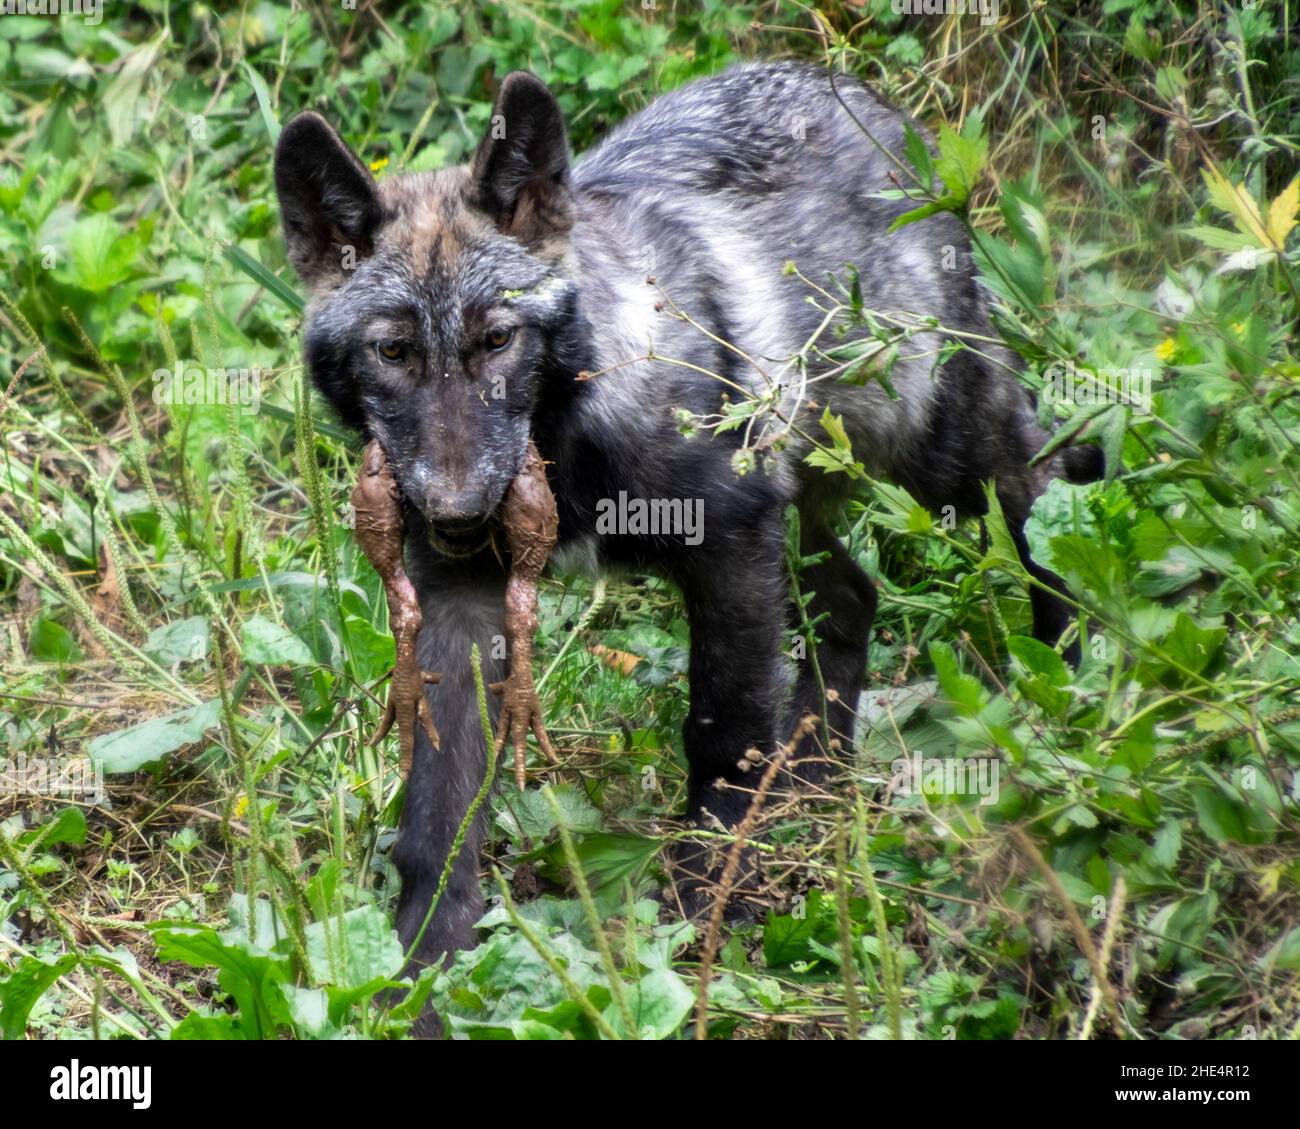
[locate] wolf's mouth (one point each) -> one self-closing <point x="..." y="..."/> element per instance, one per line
<point x="459" y="539"/>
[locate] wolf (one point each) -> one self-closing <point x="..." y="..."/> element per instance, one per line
<point x="676" y="274"/>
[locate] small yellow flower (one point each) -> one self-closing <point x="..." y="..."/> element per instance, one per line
<point x="1166" y="349"/>
<point x="382" y="163"/>
<point x="1239" y="328"/>
<point x="241" y="807"/>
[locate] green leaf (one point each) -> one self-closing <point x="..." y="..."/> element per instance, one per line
<point x="659" y="1002"/>
<point x="1039" y="659"/>
<point x="247" y="971"/>
<point x="1092" y="566"/>
<point x="607" y="859"/>
<point x="1180" y="567"/>
<point x="51" y="642"/>
<point x="788" y="938"/>
<point x="130" y="749"/>
<point x="197" y="1026"/>
<point x="1194" y="647"/>
<point x="373" y="652"/>
<point x="962" y="690"/>
<point x="263" y="101"/>
<point x="1139" y="42"/>
<point x="1220" y="238"/>
<point x="100" y="254"/>
<point x="537" y="821"/>
<point x="266" y="643"/>
<point x="1046" y="675"/>
<point x="1285" y="954"/>
<point x="961" y="160"/>
<point x="1002" y="552"/>
<point x="1019" y="273"/>
<point x="839" y="456"/>
<point x="930" y="208"/>
<point x="357" y="952"/>
<point x="69" y="826"/>
<point x="182" y="640"/>
<point x="122" y="99"/>
<point x="1221" y="818"/>
<point x="282" y="290"/>
<point x="1167" y="844"/>
<point x="20" y="990"/>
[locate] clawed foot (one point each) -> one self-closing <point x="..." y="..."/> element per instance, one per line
<point x="406" y="700"/>
<point x="521" y="713"/>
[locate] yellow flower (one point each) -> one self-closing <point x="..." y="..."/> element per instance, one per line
<point x="241" y="806"/>
<point x="1239" y="328"/>
<point x="382" y="163"/>
<point x="1166" y="349"/>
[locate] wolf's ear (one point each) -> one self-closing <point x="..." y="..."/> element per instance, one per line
<point x="521" y="169"/>
<point x="328" y="200"/>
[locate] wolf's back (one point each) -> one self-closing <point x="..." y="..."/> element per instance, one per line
<point x="717" y="186"/>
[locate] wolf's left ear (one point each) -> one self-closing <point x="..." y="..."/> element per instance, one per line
<point x="329" y="203"/>
<point x="521" y="169"/>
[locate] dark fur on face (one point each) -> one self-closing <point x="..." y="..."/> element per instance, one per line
<point x="435" y="314"/>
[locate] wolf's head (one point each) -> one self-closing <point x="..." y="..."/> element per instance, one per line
<point x="437" y="306"/>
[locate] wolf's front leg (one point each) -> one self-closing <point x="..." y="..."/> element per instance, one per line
<point x="462" y="603"/>
<point x="735" y="601"/>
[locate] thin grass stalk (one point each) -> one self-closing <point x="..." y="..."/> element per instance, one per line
<point x="848" y="961"/>
<point x="593" y="917"/>
<point x="891" y="972"/>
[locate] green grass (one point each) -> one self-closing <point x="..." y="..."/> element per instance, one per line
<point x="180" y="596"/>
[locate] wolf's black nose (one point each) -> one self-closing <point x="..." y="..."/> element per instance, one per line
<point x="460" y="512"/>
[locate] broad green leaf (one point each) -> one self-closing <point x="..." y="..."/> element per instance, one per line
<point x="122" y="101"/>
<point x="51" y="642"/>
<point x="1222" y="819"/>
<point x="69" y="826"/>
<point x="100" y="254"/>
<point x="659" y="1002"/>
<point x="20" y="990"/>
<point x="918" y="152"/>
<point x="130" y="749"/>
<point x="182" y="640"/>
<point x="1140" y="42"/>
<point x="246" y="970"/>
<point x="1285" y="954"/>
<point x="355" y="951"/>
<point x="962" y="690"/>
<point x="788" y="938"/>
<point x="607" y="859"/>
<point x="961" y="159"/>
<point x="536" y="819"/>
<point x="265" y="643"/>
<point x="197" y="1026"/>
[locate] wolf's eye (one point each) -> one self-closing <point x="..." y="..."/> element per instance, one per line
<point x="497" y="339"/>
<point x="390" y="351"/>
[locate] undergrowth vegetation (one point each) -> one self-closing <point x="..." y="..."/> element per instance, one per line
<point x="181" y="600"/>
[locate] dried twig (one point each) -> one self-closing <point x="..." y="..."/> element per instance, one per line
<point x="732" y="867"/>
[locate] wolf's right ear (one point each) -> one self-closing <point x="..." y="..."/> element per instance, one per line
<point x="328" y="200"/>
